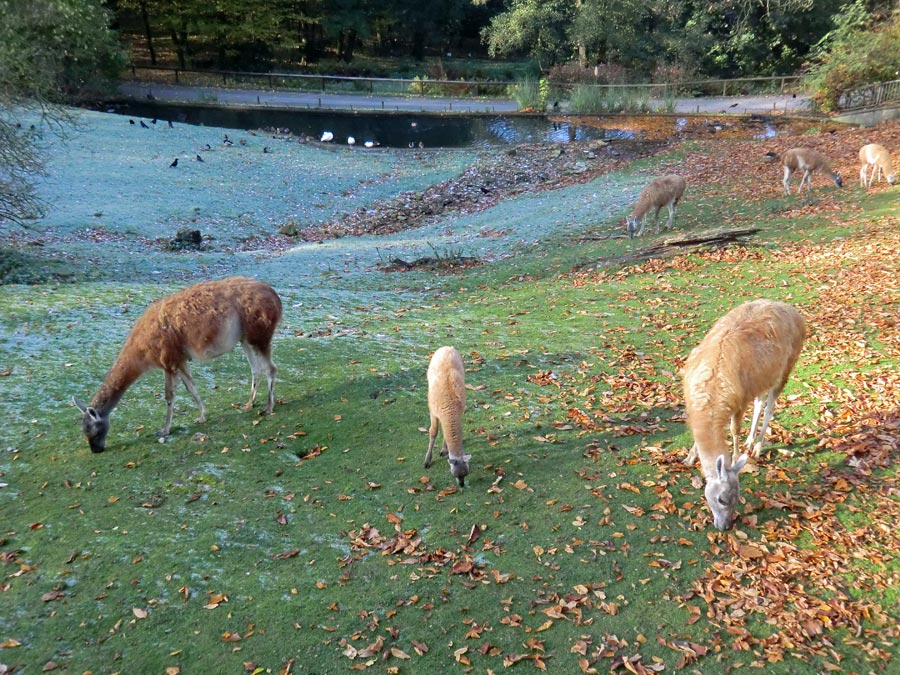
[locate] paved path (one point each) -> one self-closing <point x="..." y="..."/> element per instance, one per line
<point x="288" y="99"/>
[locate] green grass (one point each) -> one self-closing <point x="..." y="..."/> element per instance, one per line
<point x="159" y="555"/>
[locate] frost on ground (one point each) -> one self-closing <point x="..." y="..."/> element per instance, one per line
<point x="115" y="200"/>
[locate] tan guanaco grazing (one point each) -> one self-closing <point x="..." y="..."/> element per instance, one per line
<point x="875" y="156"/>
<point x="806" y="161"/>
<point x="665" y="191"/>
<point x="200" y="322"/>
<point x="746" y="357"/>
<point x="446" y="402"/>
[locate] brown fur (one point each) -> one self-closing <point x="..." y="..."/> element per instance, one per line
<point x="665" y="191"/>
<point x="746" y="357"/>
<point x="446" y="403"/>
<point x="199" y="322"/>
<point x="806" y="161"/>
<point x="879" y="158"/>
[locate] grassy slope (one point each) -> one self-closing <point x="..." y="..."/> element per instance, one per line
<point x="595" y="545"/>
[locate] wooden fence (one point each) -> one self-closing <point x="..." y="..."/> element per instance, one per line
<point x="457" y="88"/>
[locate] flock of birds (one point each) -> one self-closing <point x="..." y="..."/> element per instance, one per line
<point x="326" y="137"/>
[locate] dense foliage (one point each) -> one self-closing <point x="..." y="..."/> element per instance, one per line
<point x="863" y="48"/>
<point x="51" y="51"/>
<point x="714" y="37"/>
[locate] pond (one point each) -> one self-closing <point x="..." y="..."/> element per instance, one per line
<point x="454" y="130"/>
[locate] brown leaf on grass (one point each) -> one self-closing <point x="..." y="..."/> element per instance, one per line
<point x="287" y="554"/>
<point x="474" y="533"/>
<point x="228" y="636"/>
<point x="372" y="649"/>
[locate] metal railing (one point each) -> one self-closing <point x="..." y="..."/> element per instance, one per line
<point x="870" y="96"/>
<point x="436" y="87"/>
<point x="329" y="83"/>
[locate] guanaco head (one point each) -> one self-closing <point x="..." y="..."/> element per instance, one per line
<point x="631" y="226"/>
<point x="723" y="491"/>
<point x="94" y="425"/>
<point x="459" y="469"/>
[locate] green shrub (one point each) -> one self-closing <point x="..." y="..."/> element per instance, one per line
<point x="593" y="100"/>
<point x="527" y="95"/>
<point x="858" y="52"/>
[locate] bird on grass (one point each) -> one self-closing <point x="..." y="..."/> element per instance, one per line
<point x="171" y="126"/>
<point x="174" y="163"/>
<point x="153" y="121"/>
<point x="144" y="125"/>
<point x="130" y="121"/>
<point x="266" y="150"/>
<point x="199" y="159"/>
<point x="351" y="140"/>
<point x="327" y="136"/>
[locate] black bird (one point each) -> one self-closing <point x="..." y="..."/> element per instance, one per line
<point x="144" y="125"/>
<point x="206" y="147"/>
<point x="199" y="158"/>
<point x="153" y="121"/>
<point x="227" y="143"/>
<point x="171" y="126"/>
<point x="266" y="150"/>
<point x="174" y="163"/>
<point x="225" y="139"/>
<point x="130" y="121"/>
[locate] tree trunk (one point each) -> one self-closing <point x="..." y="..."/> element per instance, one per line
<point x="149" y="35"/>
<point x="346" y="45"/>
<point x="418" y="45"/>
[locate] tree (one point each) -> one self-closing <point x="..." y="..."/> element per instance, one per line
<point x="539" y="28"/>
<point x="51" y="52"/>
<point x="863" y="48"/>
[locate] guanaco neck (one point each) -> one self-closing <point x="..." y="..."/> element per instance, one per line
<point x="710" y="439"/>
<point x="122" y="375"/>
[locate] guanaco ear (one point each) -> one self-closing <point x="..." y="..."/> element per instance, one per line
<point x="739" y="464"/>
<point x="466" y="458"/>
<point x="86" y="409"/>
<point x="720" y="467"/>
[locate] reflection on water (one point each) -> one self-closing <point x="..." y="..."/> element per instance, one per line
<point x="400" y="130"/>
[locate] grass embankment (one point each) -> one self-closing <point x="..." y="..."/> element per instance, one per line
<point x="312" y="541"/>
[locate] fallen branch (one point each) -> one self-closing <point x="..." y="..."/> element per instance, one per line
<point x="681" y="243"/>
